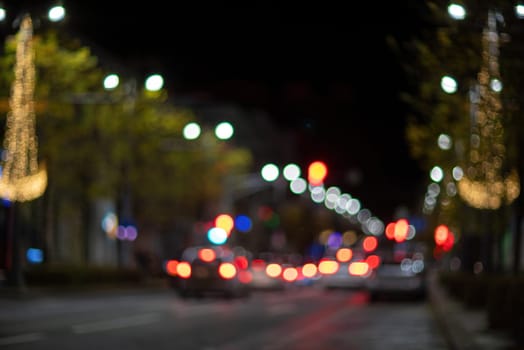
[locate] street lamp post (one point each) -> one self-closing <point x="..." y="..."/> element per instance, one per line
<point x="129" y="97"/>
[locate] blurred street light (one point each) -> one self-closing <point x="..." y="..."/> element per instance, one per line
<point x="56" y="13"/>
<point x="457" y="11"/>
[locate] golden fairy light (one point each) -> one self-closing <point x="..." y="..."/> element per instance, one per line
<point x="22" y="179"/>
<point x="485" y="185"/>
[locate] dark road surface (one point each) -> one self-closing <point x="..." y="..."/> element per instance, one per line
<point x="303" y="318"/>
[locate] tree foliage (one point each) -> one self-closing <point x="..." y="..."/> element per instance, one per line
<point x="100" y="144"/>
<point x="445" y="46"/>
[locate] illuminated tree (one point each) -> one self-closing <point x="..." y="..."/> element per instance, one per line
<point x="486" y="183"/>
<point x="22" y="179"/>
<point x="81" y="130"/>
<point x="484" y="125"/>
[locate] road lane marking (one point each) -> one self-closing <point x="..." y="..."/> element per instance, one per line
<point x="21" y="338"/>
<point x="116" y="323"/>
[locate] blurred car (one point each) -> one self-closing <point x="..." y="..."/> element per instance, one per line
<point x="398" y="278"/>
<point x="266" y="275"/>
<point x="212" y="270"/>
<point x="347" y="275"/>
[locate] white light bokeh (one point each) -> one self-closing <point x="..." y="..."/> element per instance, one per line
<point x="331" y="198"/>
<point x="291" y="172"/>
<point x="298" y="186"/>
<point x="496" y="85"/>
<point x="433" y="189"/>
<point x="444" y="142"/>
<point x="457" y="173"/>
<point x="363" y="215"/>
<point x="375" y="226"/>
<point x="342" y="203"/>
<point x="270" y="172"/>
<point x="224" y="131"/>
<point x="111" y="81"/>
<point x="56" y="13"/>
<point x="154" y="82"/>
<point x="412" y="231"/>
<point x="191" y="131"/>
<point x="353" y="206"/>
<point x="318" y="194"/>
<point x="436" y="174"/>
<point x="519" y="11"/>
<point x="457" y="11"/>
<point x="448" y="84"/>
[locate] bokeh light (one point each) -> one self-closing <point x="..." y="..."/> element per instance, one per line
<point x="269" y="172"/>
<point x="154" y="82"/>
<point x="344" y="254"/>
<point x="56" y="13"/>
<point x="111" y="81"/>
<point x="457" y="11"/>
<point x="309" y="270"/>
<point x="191" y="131"/>
<point x="225" y="222"/>
<point x="217" y="235"/>
<point x="298" y="186"/>
<point x="224" y="131"/>
<point x="291" y="172"/>
<point x="370" y="243"/>
<point x="273" y="270"/>
<point x="243" y="223"/>
<point x="448" y="84"/>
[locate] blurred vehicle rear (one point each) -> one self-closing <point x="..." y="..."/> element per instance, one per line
<point x="266" y="275"/>
<point x="212" y="270"/>
<point x="399" y="277"/>
<point x="348" y="275"/>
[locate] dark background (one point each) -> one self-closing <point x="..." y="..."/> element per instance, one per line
<point x="322" y="70"/>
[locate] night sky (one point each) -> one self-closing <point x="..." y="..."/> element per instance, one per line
<point x="320" y="69"/>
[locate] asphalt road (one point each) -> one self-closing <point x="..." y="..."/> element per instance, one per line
<point x="303" y="318"/>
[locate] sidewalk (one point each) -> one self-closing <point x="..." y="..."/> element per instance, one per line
<point x="464" y="329"/>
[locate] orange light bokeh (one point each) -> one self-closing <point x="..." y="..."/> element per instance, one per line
<point x="344" y="254"/>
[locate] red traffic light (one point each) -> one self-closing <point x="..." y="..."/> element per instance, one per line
<point x="317" y="172"/>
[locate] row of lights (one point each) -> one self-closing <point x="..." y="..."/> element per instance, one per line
<point x="55" y="13"/>
<point x="332" y="197"/>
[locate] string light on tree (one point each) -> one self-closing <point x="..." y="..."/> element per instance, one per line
<point x="22" y="179"/>
<point x="485" y="184"/>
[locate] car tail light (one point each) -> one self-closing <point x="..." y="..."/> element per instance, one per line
<point x="328" y="267"/>
<point x="359" y="268"/>
<point x="206" y="254"/>
<point x="289" y="274"/>
<point x="258" y="264"/>
<point x="245" y="276"/>
<point x="309" y="270"/>
<point x="241" y="262"/>
<point x="227" y="270"/>
<point x="373" y="261"/>
<point x="273" y="270"/>
<point x="171" y="266"/>
<point x="183" y="269"/>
